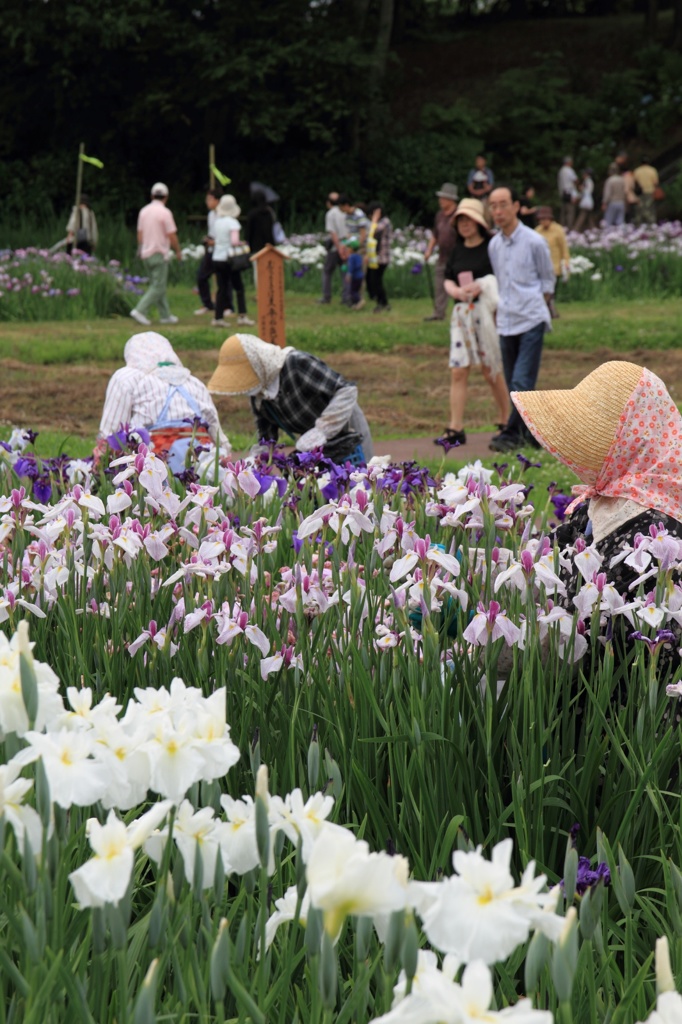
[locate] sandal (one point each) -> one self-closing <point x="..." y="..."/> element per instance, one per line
<point x="450" y="438"/>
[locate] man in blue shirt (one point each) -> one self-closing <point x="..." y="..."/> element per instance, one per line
<point x="525" y="278"/>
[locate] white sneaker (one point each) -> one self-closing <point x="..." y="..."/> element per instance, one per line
<point x="228" y="312"/>
<point x="140" y="317"/>
<point x="200" y="312"/>
<point x="218" y="323"/>
<point x="169" y="319"/>
<point x="244" y="321"/>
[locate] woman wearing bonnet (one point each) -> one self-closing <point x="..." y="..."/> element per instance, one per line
<point x="155" y="391"/>
<point x="294" y="392"/>
<point x="621" y="433"/>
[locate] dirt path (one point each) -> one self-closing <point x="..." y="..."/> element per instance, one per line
<point x="404" y="393"/>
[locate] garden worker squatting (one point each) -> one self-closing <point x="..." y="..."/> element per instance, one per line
<point x="156" y="392"/>
<point x="295" y="392"/>
<point x="621" y="433"/>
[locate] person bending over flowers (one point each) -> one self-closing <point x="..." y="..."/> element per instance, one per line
<point x="295" y="392"/>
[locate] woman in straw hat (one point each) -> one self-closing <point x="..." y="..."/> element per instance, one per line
<point x="621" y="433"/>
<point x="295" y="392"/>
<point x="226" y="238"/>
<point x="474" y="341"/>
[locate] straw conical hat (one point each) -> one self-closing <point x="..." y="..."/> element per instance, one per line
<point x="234" y="374"/>
<point x="579" y="425"/>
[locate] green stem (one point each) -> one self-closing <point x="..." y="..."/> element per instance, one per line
<point x="122" y="957"/>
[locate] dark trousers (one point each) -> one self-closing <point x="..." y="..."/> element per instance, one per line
<point x="521" y="355"/>
<point x="228" y="278"/>
<point x="85" y="247"/>
<point x="355" y="288"/>
<point x="375" y="284"/>
<point x="204" y="276"/>
<point x="331" y="261"/>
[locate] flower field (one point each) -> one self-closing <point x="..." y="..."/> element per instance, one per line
<point x="622" y="263"/>
<point x="292" y="741"/>
<point x="617" y="263"/>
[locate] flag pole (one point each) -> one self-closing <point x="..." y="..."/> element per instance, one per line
<point x="211" y="165"/>
<point x="79" y="175"/>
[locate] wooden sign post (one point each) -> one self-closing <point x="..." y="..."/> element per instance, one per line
<point x="270" y="294"/>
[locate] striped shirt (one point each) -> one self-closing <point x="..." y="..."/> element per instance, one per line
<point x="137" y="399"/>
<point x="523" y="268"/>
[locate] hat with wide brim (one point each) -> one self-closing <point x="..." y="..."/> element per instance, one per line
<point x="473" y="209"/>
<point x="448" y="191"/>
<point x="234" y="374"/>
<point x="579" y="425"/>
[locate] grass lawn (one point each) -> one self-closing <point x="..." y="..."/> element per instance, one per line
<point x="54" y="375"/>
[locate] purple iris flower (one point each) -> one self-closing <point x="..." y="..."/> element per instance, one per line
<point x="296" y="542"/>
<point x="416" y="268"/>
<point x="330" y="492"/>
<point x="42" y="489"/>
<point x="663" y="636"/>
<point x="527" y="464"/>
<point x="446" y="445"/>
<point x="587" y="877"/>
<point x="30" y="436"/>
<point x="561" y="503"/>
<point x="24" y="466"/>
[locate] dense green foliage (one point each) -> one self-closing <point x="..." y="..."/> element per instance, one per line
<point x="322" y="95"/>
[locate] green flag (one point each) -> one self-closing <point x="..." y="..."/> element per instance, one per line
<point x="220" y="177"/>
<point x="91" y="160"/>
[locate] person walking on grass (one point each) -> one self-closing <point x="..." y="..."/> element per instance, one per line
<point x="613" y="198"/>
<point x="335" y="230"/>
<point x="226" y="238"/>
<point x="469" y="280"/>
<point x="356" y="227"/>
<point x="205" y="272"/>
<point x="585" y="217"/>
<point x="444" y="238"/>
<point x="555" y="236"/>
<point x="156" y="235"/>
<point x="567" y="181"/>
<point x="378" y="255"/>
<point x="646" y="183"/>
<point x="523" y="268"/>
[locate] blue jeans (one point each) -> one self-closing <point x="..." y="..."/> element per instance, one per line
<point x="615" y="214"/>
<point x="521" y="355"/>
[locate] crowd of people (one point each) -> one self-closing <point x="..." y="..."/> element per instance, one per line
<point x="500" y="258"/>
<point x="628" y="195"/>
<point x="358" y="243"/>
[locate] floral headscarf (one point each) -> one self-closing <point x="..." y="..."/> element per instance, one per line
<point x="644" y="462"/>
<point x="266" y="362"/>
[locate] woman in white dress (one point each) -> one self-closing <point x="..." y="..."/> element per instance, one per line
<point x="586" y="205"/>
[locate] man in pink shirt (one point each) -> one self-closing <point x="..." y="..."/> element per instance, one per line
<point x="156" y="234"/>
